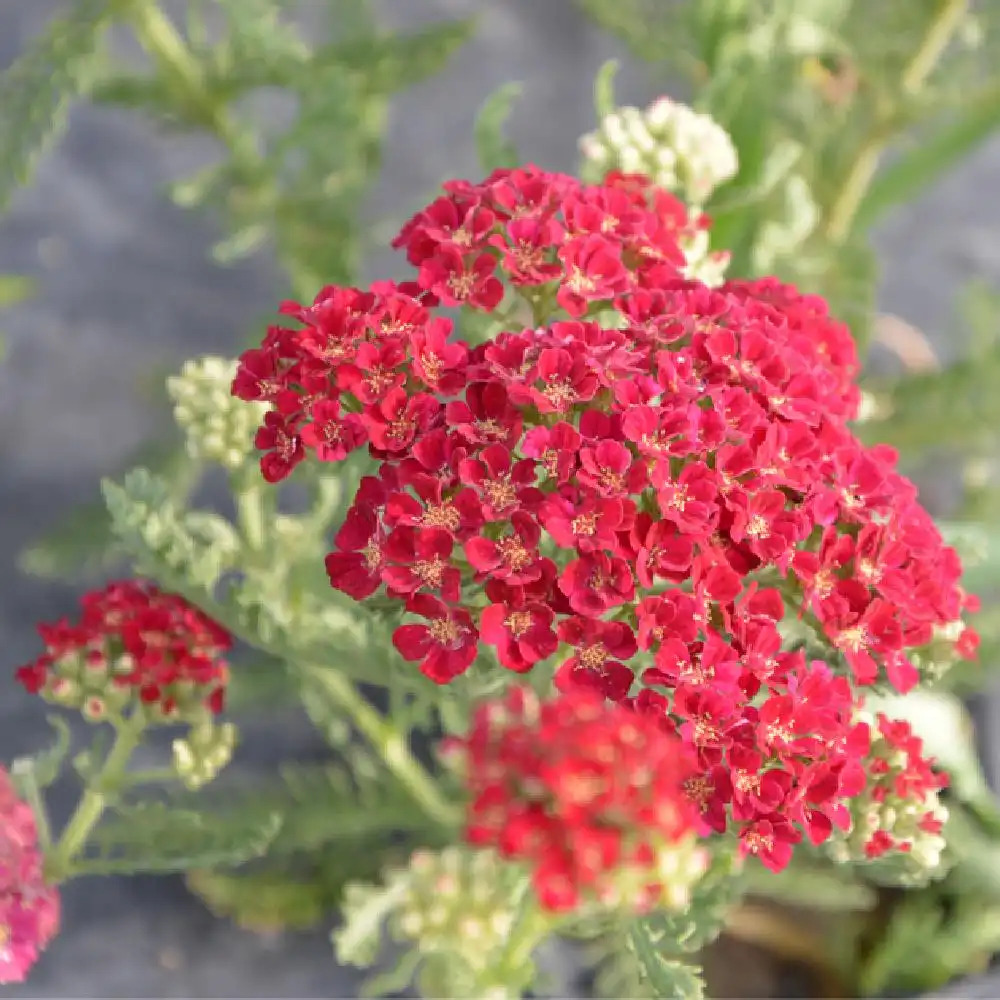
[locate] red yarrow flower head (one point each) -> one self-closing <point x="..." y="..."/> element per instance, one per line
<point x="641" y="486"/>
<point x="577" y="791"/>
<point x="29" y="907"/>
<point x="133" y="644"/>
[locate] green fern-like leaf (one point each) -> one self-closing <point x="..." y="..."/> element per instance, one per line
<point x="352" y="800"/>
<point x="83" y="542"/>
<point x="640" y="24"/>
<point x="957" y="407"/>
<point x="366" y="906"/>
<point x="263" y="900"/>
<point x="391" y="62"/>
<point x="701" y="923"/>
<point x="647" y="956"/>
<point x="279" y="893"/>
<point x="155" y="837"/>
<point x="36" y="90"/>
<point x="492" y="146"/>
<point x="325" y="804"/>
<point x="664" y="977"/>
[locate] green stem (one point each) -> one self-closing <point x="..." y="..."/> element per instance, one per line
<point x="161" y="40"/>
<point x="33" y="797"/>
<point x="252" y="499"/>
<point x="390" y="743"/>
<point x="100" y="792"/>
<point x="845" y="205"/>
<point x="509" y="969"/>
<point x="154" y="776"/>
<point x="534" y="928"/>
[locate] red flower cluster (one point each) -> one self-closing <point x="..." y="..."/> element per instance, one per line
<point x="641" y="476"/>
<point x="580" y="791"/>
<point x="132" y="639"/>
<point x="29" y="909"/>
<point x="901" y="775"/>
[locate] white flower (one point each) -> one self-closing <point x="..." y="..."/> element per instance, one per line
<point x="698" y="152"/>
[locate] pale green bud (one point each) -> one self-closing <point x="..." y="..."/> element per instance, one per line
<point x="459" y="901"/>
<point x="914" y="854"/>
<point x="218" y="426"/>
<point x="205" y="751"/>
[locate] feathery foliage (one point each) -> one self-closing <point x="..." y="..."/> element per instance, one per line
<point x="36" y="91"/>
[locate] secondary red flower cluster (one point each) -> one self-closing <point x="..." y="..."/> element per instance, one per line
<point x="29" y="909"/>
<point x="900" y="775"/>
<point x="132" y="639"/>
<point x="640" y="473"/>
<point x="581" y="791"/>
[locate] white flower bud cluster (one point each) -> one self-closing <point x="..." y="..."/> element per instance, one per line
<point x="206" y="750"/>
<point x="459" y="901"/>
<point x="671" y="143"/>
<point x="219" y="427"/>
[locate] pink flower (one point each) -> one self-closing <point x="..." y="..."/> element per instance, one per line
<point x="29" y="908"/>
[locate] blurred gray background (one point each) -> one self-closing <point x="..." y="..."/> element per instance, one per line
<point x="125" y="284"/>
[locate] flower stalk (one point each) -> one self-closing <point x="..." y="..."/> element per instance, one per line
<point x="845" y="205"/>
<point x="101" y="792"/>
<point x="387" y="741"/>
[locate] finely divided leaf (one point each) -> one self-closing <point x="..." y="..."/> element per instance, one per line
<point x="392" y="62"/>
<point x="83" y="542"/>
<point x="667" y="978"/>
<point x="493" y="147"/>
<point x="262" y="900"/>
<point x="154" y="837"/>
<point x="36" y="90"/>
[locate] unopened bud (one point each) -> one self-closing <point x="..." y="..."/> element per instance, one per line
<point x="64" y="691"/>
<point x="207" y="749"/>
<point x="682" y="150"/>
<point x="458" y="902"/>
<point x="94" y="708"/>
<point x="218" y="426"/>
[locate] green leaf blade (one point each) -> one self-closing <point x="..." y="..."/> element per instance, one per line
<point x="667" y="978"/>
<point x="157" y="839"/>
<point x="494" y="149"/>
<point x="933" y="156"/>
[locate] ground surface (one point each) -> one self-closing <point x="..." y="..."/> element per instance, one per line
<point x="125" y="285"/>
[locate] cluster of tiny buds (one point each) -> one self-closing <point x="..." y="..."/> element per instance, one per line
<point x="457" y="900"/>
<point x="218" y="427"/>
<point x="671" y="143"/>
<point x="897" y="820"/>
<point x="85" y="682"/>
<point x="703" y="264"/>
<point x="135" y="649"/>
<point x="203" y="753"/>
